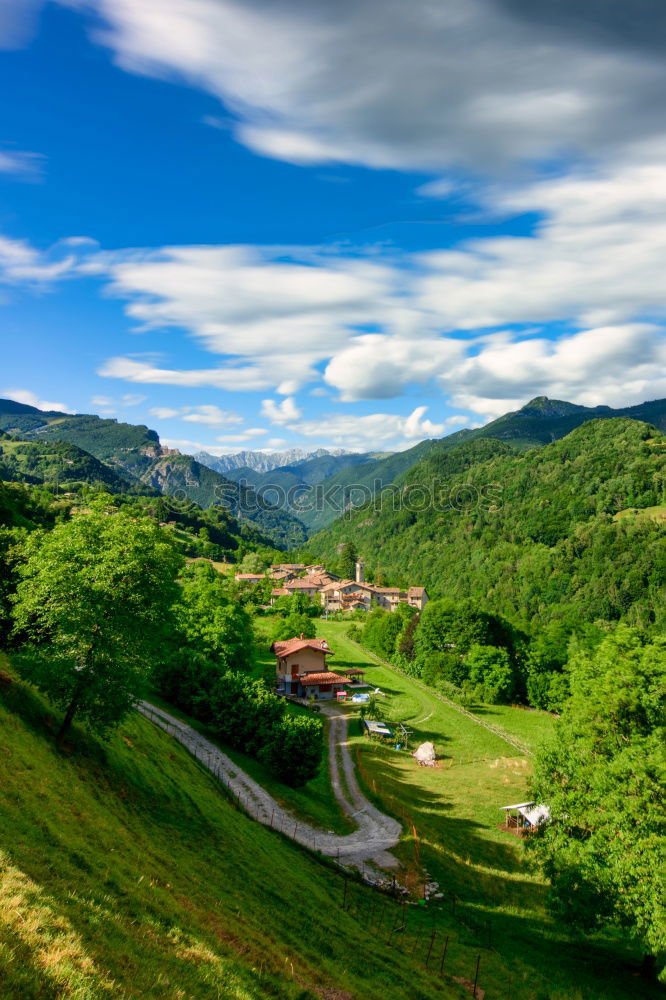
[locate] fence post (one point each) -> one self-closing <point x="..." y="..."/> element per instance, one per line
<point x="443" y="959"/>
<point x="432" y="941"/>
<point x="476" y="974"/>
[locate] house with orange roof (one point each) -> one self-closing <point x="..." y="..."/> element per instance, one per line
<point x="301" y="669"/>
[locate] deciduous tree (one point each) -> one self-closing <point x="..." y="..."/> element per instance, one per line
<point x="603" y="778"/>
<point x="95" y="594"/>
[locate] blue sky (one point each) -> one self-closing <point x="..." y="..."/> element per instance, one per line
<point x="359" y="224"/>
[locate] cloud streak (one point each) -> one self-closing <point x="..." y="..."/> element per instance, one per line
<point x="473" y="83"/>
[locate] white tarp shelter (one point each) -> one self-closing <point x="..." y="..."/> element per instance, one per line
<point x="425" y="754"/>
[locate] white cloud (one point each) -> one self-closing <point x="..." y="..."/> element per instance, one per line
<point x="371" y="431"/>
<point x="418" y="85"/>
<point x="595" y="258"/>
<point x="208" y="414"/>
<point x="280" y="413"/>
<point x="613" y="365"/>
<point x="164" y="412"/>
<point x="21" y="263"/>
<point x="240" y="378"/>
<point x="249" y="435"/>
<point x="108" y="406"/>
<point x="376" y="366"/>
<point x="32" y="399"/>
<point x="213" y="416"/>
<point x="248" y="300"/>
<point x="21" y="164"/>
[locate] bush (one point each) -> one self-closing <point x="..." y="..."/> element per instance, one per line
<point x="491" y="671"/>
<point x="295" y="749"/>
<point x="293" y="626"/>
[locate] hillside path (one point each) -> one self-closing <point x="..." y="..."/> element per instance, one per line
<point x="376" y="832"/>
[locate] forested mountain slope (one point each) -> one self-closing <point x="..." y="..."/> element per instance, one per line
<point x="135" y="454"/>
<point x="533" y="536"/>
<point x="539" y="422"/>
<point x="57" y="463"/>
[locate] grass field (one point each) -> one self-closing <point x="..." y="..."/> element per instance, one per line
<point x="643" y="513"/>
<point x="125" y="872"/>
<point x="452" y="824"/>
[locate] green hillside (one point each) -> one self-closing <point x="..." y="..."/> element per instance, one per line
<point x="126" y="872"/>
<point x="531" y="536"/>
<point x="539" y="422"/>
<point x="57" y="463"/>
<point x="134" y="454"/>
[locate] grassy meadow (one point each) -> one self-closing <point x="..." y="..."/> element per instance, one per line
<point x="126" y="872"/>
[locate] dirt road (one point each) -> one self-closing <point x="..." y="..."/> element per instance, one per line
<point x="369" y="844"/>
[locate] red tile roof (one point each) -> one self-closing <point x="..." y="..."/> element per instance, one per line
<point x="416" y="591"/>
<point x="324" y="678"/>
<point x="287" y="646"/>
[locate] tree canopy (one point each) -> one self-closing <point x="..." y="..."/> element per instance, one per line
<point x="603" y="779"/>
<point x="96" y="591"/>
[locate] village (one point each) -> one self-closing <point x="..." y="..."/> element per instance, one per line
<point x="335" y="594"/>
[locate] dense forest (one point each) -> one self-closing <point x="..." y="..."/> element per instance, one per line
<point x="549" y="535"/>
<point x="524" y="555"/>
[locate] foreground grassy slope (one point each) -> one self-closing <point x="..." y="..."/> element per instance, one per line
<point x="124" y="872"/>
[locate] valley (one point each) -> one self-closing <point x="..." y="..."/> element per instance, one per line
<point x="161" y="868"/>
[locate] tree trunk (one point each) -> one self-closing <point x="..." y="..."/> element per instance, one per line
<point x="69" y="716"/>
<point x="649" y="966"/>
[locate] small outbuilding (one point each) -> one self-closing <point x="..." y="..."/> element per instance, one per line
<point x="525" y="815"/>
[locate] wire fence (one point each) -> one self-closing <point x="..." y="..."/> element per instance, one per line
<point x="416" y="935"/>
<point x="381" y="911"/>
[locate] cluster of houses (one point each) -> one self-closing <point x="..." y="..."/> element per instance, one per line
<point x="336" y="594"/>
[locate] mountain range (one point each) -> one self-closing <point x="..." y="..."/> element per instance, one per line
<point x="539" y="422"/>
<point x="262" y="461"/>
<point x="285" y="503"/>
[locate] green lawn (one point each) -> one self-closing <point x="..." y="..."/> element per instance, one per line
<point x="530" y="725"/>
<point x="657" y="513"/>
<point x="451" y="815"/>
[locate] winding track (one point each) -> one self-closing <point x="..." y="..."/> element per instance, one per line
<point x="376" y="832"/>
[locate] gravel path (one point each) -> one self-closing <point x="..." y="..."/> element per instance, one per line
<point x="369" y="844"/>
